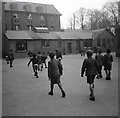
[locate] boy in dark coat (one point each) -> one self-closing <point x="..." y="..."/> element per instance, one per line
<point x="35" y="63"/>
<point x="99" y="59"/>
<point x="108" y="59"/>
<point x="90" y="66"/>
<point x="43" y="59"/>
<point x="11" y="58"/>
<point x="54" y="73"/>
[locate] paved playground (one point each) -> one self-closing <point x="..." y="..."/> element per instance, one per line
<point x="25" y="95"/>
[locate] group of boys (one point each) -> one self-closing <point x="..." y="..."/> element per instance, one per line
<point x="37" y="62"/>
<point x="93" y="67"/>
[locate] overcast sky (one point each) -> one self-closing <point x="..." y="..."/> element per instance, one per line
<point x="67" y="7"/>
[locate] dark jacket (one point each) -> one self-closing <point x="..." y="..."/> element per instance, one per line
<point x="90" y="66"/>
<point x="108" y="59"/>
<point x="99" y="59"/>
<point x="11" y="56"/>
<point x="34" y="61"/>
<point x="54" y="68"/>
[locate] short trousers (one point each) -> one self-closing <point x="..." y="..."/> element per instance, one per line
<point x="90" y="79"/>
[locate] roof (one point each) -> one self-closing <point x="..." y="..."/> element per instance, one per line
<point x="31" y="7"/>
<point x="75" y="34"/>
<point x="21" y="35"/>
<point x="50" y="35"/>
<point x="98" y="32"/>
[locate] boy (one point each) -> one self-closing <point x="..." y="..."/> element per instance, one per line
<point x="35" y="63"/>
<point x="11" y="58"/>
<point x="108" y="59"/>
<point x="91" y="68"/>
<point x="43" y="59"/>
<point x="99" y="59"/>
<point x="54" y="73"/>
<point x="39" y="56"/>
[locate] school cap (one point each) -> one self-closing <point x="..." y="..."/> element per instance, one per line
<point x="89" y="53"/>
<point x="51" y="54"/>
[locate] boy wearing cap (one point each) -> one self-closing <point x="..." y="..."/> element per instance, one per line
<point x="54" y="73"/>
<point x="90" y="66"/>
<point x="99" y="58"/>
<point x="108" y="59"/>
<point x="35" y="63"/>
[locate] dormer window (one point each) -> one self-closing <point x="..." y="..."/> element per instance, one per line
<point x="15" y="15"/>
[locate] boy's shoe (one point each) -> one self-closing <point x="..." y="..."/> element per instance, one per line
<point x="92" y="98"/>
<point x="50" y="93"/>
<point x="100" y="76"/>
<point x="63" y="94"/>
<point x="37" y="76"/>
<point x="108" y="78"/>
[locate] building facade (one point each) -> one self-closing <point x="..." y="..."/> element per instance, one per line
<point x="36" y="28"/>
<point x="20" y="16"/>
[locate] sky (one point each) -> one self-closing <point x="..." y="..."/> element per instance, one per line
<point x="67" y="7"/>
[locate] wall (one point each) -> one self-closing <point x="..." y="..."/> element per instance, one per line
<point x="107" y="36"/>
<point x="0" y="30"/>
<point x="53" y="20"/>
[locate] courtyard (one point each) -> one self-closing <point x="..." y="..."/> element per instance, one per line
<point x="25" y="95"/>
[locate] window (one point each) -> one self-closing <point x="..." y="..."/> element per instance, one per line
<point x="52" y="28"/>
<point x="59" y="44"/>
<point x="15" y="15"/>
<point x="21" y="45"/>
<point x="87" y="43"/>
<point x="108" y="43"/>
<point x="99" y="42"/>
<point x="45" y="43"/>
<point x="29" y="16"/>
<point x="41" y="17"/>
<point x="16" y="27"/>
<point x="104" y="43"/>
<point x="30" y="27"/>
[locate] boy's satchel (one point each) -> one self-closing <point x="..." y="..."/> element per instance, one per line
<point x="60" y="68"/>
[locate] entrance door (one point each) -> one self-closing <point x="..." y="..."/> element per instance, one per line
<point x="69" y="48"/>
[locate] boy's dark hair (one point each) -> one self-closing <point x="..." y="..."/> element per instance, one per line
<point x="108" y="51"/>
<point x="89" y="53"/>
<point x="51" y="55"/>
<point x="38" y="52"/>
<point x="100" y="51"/>
<point x="34" y="55"/>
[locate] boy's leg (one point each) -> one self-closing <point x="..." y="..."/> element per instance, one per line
<point x="63" y="92"/>
<point x="100" y="72"/>
<point x="91" y="87"/>
<point x="11" y="63"/>
<point x="45" y="65"/>
<point x="51" y="87"/>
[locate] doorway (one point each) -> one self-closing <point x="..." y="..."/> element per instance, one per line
<point x="69" y="48"/>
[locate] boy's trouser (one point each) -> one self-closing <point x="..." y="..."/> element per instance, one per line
<point x="11" y="62"/>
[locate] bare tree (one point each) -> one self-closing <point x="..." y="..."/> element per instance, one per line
<point x="80" y="17"/>
<point x="71" y="22"/>
<point x="112" y="9"/>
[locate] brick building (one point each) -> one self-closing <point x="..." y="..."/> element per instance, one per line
<point x="36" y="27"/>
<point x="24" y="16"/>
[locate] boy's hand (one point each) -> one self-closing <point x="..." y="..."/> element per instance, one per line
<point x="82" y="75"/>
